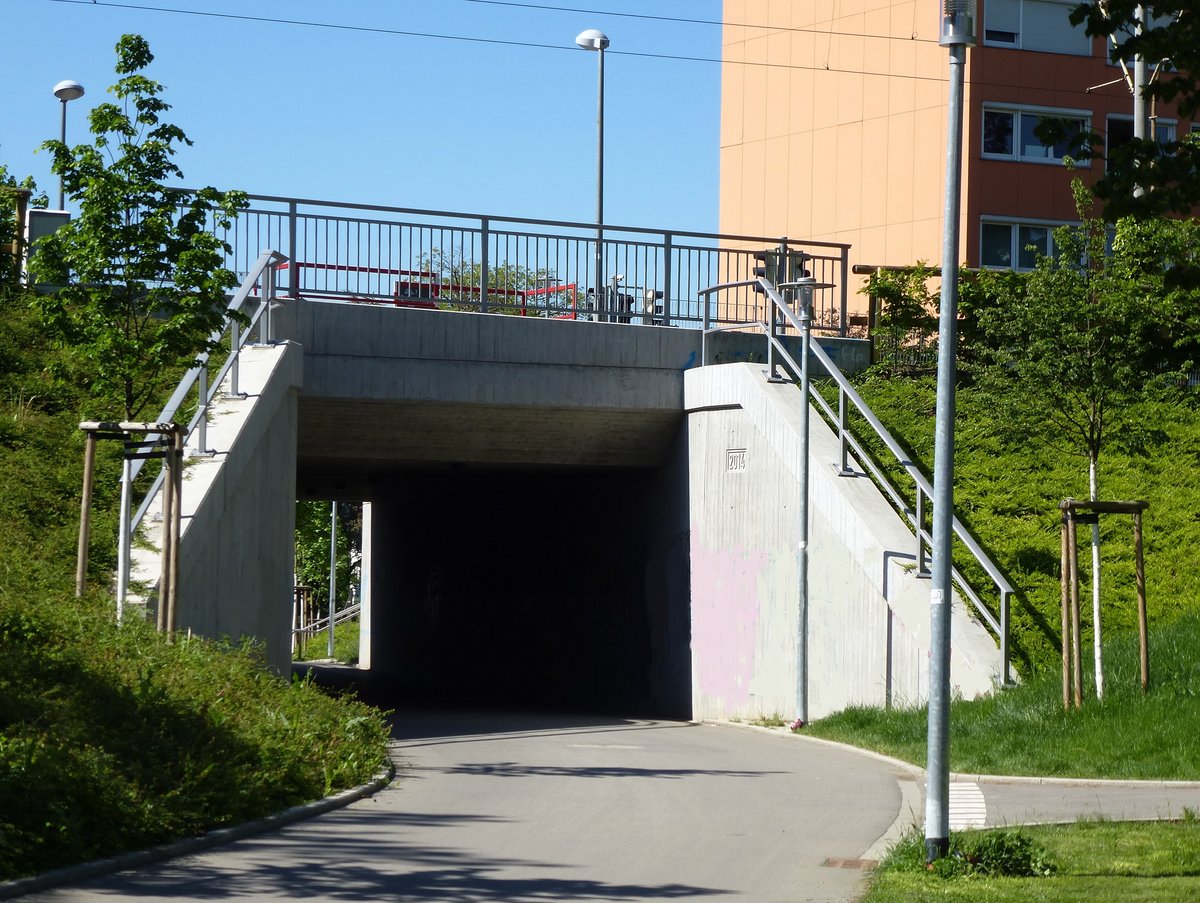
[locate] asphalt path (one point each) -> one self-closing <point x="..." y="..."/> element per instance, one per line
<point x="490" y="807"/>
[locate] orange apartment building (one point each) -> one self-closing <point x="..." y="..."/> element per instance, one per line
<point x="833" y="125"/>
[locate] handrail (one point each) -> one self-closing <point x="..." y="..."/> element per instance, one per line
<point x="344" y="252"/>
<point x="263" y="270"/>
<point x="924" y="489"/>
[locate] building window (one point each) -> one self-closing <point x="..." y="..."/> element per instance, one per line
<point x="1012" y="245"/>
<point x="1042" y="25"/>
<point x="1011" y="133"/>
<point x="1120" y="131"/>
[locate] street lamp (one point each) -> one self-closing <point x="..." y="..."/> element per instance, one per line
<point x="594" y="39"/>
<point x="65" y="91"/>
<point x="957" y="33"/>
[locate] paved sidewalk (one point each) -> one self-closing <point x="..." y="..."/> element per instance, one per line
<point x="991" y="801"/>
<point x="1019" y="801"/>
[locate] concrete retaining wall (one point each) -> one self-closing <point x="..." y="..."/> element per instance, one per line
<point x="868" y="616"/>
<point x="239" y="511"/>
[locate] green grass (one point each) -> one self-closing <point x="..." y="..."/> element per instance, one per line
<point x="1007" y="491"/>
<point x="1154" y="862"/>
<point x="345" y="644"/>
<point x="1024" y="730"/>
<point x="112" y="738"/>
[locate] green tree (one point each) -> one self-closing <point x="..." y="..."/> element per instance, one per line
<point x="507" y="286"/>
<point x="1081" y="340"/>
<point x="1167" y="171"/>
<point x="141" y="285"/>
<point x="313" y="530"/>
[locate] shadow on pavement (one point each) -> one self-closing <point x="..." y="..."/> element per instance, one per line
<point x="367" y="858"/>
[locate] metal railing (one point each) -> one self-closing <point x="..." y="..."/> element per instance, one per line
<point x="433" y="258"/>
<point x="200" y="387"/>
<point x="839" y="419"/>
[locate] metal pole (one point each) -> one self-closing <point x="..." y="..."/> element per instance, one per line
<point x="175" y="526"/>
<point x="202" y="403"/>
<point x="168" y="517"/>
<point x="62" y="193"/>
<point x="85" y="513"/>
<point x="265" y="336"/>
<point x="293" y="253"/>
<point x="600" y="288"/>
<point x="806" y="294"/>
<point x="937" y="791"/>
<point x="235" y="345"/>
<point x="123" y="537"/>
<point x="1139" y="88"/>
<point x="332" y="570"/>
<point x="844" y="280"/>
<point x="666" y="318"/>
<point x="484" y="263"/>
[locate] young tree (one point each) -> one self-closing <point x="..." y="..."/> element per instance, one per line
<point x="139" y="274"/>
<point x="1081" y="343"/>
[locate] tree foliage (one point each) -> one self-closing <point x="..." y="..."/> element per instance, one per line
<point x="1087" y="335"/>
<point x="313" y="531"/>
<point x="1168" y="170"/>
<point x="139" y="273"/>
<point x="12" y="191"/>
<point x="508" y="285"/>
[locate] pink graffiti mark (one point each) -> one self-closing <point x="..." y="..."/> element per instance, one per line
<point x="725" y="620"/>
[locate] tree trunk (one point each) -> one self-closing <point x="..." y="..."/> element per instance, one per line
<point x="1096" y="633"/>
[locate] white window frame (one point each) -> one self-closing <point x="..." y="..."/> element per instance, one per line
<point x="1019" y="110"/>
<point x="1160" y="122"/>
<point x="1014" y="224"/>
<point x="1018" y="42"/>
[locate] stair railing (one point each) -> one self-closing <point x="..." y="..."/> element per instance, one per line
<point x="777" y="352"/>
<point x="243" y="307"/>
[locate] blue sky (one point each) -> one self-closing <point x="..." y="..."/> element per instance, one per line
<point x="368" y="117"/>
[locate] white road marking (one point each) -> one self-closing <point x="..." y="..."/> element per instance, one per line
<point x="968" y="809"/>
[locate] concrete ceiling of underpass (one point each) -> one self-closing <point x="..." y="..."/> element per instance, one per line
<point x="347" y="441"/>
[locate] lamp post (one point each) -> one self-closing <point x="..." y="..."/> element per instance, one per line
<point x="65" y="91"/>
<point x="594" y="39"/>
<point x="957" y="33"/>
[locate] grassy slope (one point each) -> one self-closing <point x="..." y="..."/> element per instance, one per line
<point x="1007" y="490"/>
<point x="110" y="738"/>
<point x="1025" y="730"/>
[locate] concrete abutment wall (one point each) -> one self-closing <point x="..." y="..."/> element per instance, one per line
<point x="868" y="614"/>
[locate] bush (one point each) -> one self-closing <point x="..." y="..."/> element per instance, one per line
<point x="1003" y="853"/>
<point x="111" y="738"/>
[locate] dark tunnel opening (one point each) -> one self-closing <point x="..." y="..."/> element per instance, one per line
<point x="558" y="590"/>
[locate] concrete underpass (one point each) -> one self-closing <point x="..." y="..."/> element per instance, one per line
<point x="566" y="514"/>
<point x="523" y="552"/>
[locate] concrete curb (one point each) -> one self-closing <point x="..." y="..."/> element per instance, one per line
<point x="911" y="783"/>
<point x="1071" y="782"/>
<point x="97" y="867"/>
